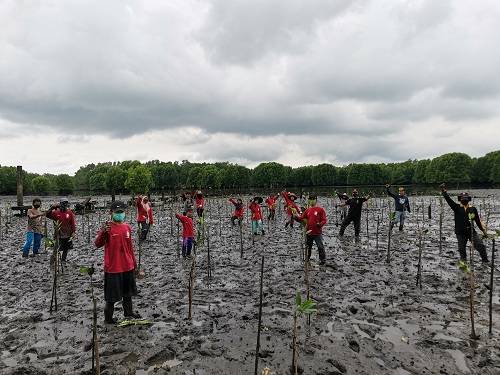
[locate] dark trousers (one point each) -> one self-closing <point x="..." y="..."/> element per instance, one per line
<point x="478" y="245"/>
<point x="234" y="218"/>
<point x="348" y="220"/>
<point x="272" y="213"/>
<point x="199" y="212"/>
<point x="319" y="242"/>
<point x="64" y="245"/>
<point x="109" y="309"/>
<point x="187" y="246"/>
<point x="143" y="230"/>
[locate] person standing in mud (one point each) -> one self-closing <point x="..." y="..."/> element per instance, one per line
<point x="290" y="207"/>
<point x="355" y="204"/>
<point x="271" y="206"/>
<point x="465" y="216"/>
<point x="187" y="202"/>
<point x="62" y="214"/>
<point x="187" y="232"/>
<point x="144" y="216"/>
<point x="200" y="203"/>
<point x="34" y="233"/>
<point x="315" y="218"/>
<point x="119" y="263"/>
<point x="239" y="211"/>
<point x="402" y="204"/>
<point x="256" y="210"/>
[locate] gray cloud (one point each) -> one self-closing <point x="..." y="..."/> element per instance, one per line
<point x="341" y="71"/>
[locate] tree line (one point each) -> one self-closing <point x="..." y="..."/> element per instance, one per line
<point x="158" y="176"/>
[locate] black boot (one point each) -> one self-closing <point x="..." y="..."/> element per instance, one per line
<point x="127" y="309"/>
<point x="400" y="227"/>
<point x="109" y="309"/>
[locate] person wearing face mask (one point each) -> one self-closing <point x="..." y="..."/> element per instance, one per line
<point x="34" y="233"/>
<point x="315" y="218"/>
<point x="465" y="216"/>
<point x="119" y="263"/>
<point x="200" y="203"/>
<point x="62" y="214"/>
<point x="144" y="216"/>
<point x="402" y="204"/>
<point x="354" y="214"/>
<point x="187" y="232"/>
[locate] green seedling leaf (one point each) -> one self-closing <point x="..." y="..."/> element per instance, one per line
<point x="392" y="216"/>
<point x="49" y="242"/>
<point x="307" y="307"/>
<point x="463" y="266"/>
<point x="133" y="322"/>
<point x="471" y="216"/>
<point x="87" y="270"/>
<point x="298" y="300"/>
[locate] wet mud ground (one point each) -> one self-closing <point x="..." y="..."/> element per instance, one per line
<point x="371" y="319"/>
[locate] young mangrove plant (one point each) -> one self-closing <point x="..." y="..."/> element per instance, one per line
<point x="307" y="307"/>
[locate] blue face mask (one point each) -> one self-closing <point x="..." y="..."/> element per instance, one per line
<point x="119" y="216"/>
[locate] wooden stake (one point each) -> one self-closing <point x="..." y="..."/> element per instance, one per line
<point x="259" y="325"/>
<point x="492" y="271"/>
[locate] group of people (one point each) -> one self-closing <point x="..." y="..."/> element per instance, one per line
<point x="116" y="234"/>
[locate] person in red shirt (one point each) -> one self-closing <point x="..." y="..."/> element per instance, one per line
<point x="187" y="232"/>
<point x="200" y="203"/>
<point x="144" y="216"/>
<point x="239" y="211"/>
<point x="291" y="207"/>
<point x="119" y="263"/>
<point x="315" y="218"/>
<point x="62" y="215"/>
<point x="256" y="210"/>
<point x="271" y="206"/>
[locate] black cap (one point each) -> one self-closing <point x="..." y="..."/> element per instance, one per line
<point x="118" y="206"/>
<point x="313" y="196"/>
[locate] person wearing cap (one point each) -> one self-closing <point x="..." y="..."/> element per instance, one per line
<point x="315" y="218"/>
<point x="355" y="204"/>
<point x="200" y="203"/>
<point x="271" y="206"/>
<point x="402" y="204"/>
<point x="144" y="216"/>
<point x="119" y="263"/>
<point x="291" y="207"/>
<point x="239" y="210"/>
<point x="34" y="233"/>
<point x="256" y="210"/>
<point x="65" y="218"/>
<point x="465" y="216"/>
<point x="187" y="232"/>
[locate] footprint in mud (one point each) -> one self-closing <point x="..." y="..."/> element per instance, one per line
<point x="354" y="346"/>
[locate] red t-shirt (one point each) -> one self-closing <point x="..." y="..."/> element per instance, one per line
<point x="238" y="209"/>
<point x="314" y="215"/>
<point x="118" y="249"/>
<point x="289" y="204"/>
<point x="187" y="225"/>
<point x="144" y="211"/>
<point x="200" y="202"/>
<point x="271" y="202"/>
<point x="67" y="220"/>
<point x="256" y="211"/>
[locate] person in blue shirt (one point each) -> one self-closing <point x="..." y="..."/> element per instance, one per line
<point x="402" y="204"/>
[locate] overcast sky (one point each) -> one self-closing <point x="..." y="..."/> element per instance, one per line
<point x="294" y="81"/>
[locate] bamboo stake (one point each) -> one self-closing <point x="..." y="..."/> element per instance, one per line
<point x="259" y="325"/>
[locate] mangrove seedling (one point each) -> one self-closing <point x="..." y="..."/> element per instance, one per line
<point x="307" y="307"/>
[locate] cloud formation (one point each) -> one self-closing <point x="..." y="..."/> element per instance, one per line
<point x="293" y="81"/>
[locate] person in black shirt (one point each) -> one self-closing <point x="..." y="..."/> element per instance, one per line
<point x="402" y="204"/>
<point x="465" y="217"/>
<point x="354" y="215"/>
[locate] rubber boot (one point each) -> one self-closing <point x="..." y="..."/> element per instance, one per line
<point x="109" y="309"/>
<point x="400" y="227"/>
<point x="127" y="309"/>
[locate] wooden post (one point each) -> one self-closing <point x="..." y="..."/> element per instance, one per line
<point x="19" y="181"/>
<point x="257" y="350"/>
<point x="492" y="271"/>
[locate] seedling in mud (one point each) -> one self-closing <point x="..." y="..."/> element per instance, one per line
<point x="307" y="306"/>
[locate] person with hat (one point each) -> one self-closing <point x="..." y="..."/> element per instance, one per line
<point x="291" y="207"/>
<point x="355" y="204"/>
<point x="34" y="233"/>
<point x="65" y="218"/>
<point x="144" y="216"/>
<point x="315" y="218"/>
<point x="402" y="204"/>
<point x="119" y="263"/>
<point x="256" y="210"/>
<point x="343" y="205"/>
<point x="187" y="232"/>
<point x="465" y="216"/>
<point x="200" y="203"/>
<point x="239" y="211"/>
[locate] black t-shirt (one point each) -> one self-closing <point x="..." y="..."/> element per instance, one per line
<point x="355" y="206"/>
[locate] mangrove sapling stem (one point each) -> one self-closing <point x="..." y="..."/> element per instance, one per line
<point x="241" y="238"/>
<point x="419" y="268"/>
<point x="259" y="325"/>
<point x="492" y="272"/>
<point x="376" y="238"/>
<point x="209" y="265"/>
<point x="389" y="233"/>
<point x="294" y="345"/>
<point x="191" y="286"/>
<point x="95" y="342"/>
<point x="471" y="285"/>
<point x="172" y="218"/>
<point x="440" y="225"/>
